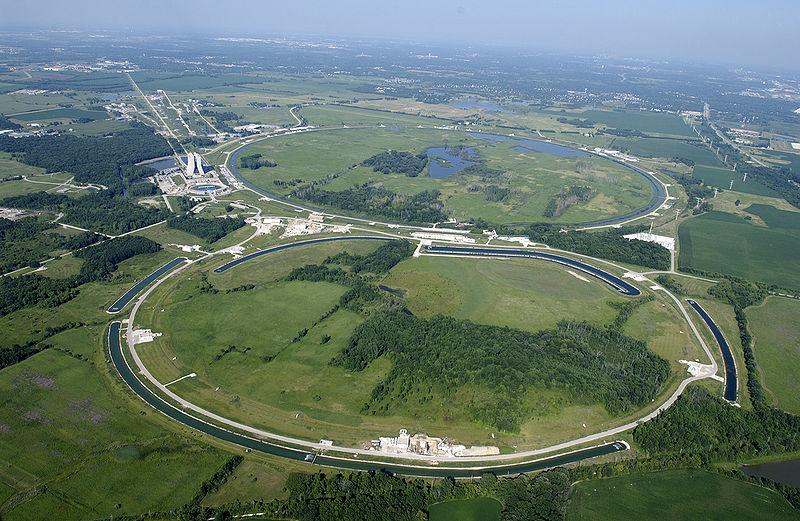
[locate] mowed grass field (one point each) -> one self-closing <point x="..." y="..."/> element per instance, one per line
<point x="70" y="447"/>
<point x="775" y="325"/>
<point x="520" y="293"/>
<point x="475" y="509"/>
<point x="675" y="495"/>
<point x="253" y="366"/>
<point x="533" y="178"/>
<point x="726" y="243"/>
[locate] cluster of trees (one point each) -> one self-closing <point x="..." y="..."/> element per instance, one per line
<point x="221" y="116"/>
<point x="702" y="424"/>
<point x="25" y="242"/>
<point x="496" y="194"/>
<point x="17" y="353"/>
<point x="7" y="124"/>
<point x="107" y="211"/>
<point x="741" y="294"/>
<point x="606" y="244"/>
<point x="423" y="207"/>
<point x="92" y="159"/>
<point x="360" y="298"/>
<point x="383" y="259"/>
<point x="378" y="496"/>
<point x="256" y="161"/>
<point x="588" y="363"/>
<point x="199" y="141"/>
<point x="782" y="179"/>
<point x="211" y="230"/>
<point x="392" y="161"/>
<point x="577" y="122"/>
<point x="98" y="263"/>
<point x="671" y="284"/>
<point x="696" y="191"/>
<point x="568" y="196"/>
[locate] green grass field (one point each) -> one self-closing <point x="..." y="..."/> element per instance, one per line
<point x="532" y="178"/>
<point x="61" y="113"/>
<point x="775" y="327"/>
<point x="675" y="495"/>
<point x="667" y="148"/>
<point x="648" y="122"/>
<point x="70" y="447"/>
<point x="727" y="243"/>
<point x="282" y="383"/>
<point x="476" y="509"/>
<point x="10" y="167"/>
<point x="722" y="177"/>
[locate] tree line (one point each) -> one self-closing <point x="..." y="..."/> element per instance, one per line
<point x="587" y="363"/>
<point x="422" y="207"/>
<point x="606" y="244"/>
<point x="211" y="230"/>
<point x="93" y="159"/>
<point x="394" y="162"/>
<point x="99" y="262"/>
<point x="107" y="211"/>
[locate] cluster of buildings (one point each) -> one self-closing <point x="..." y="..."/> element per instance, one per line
<point x="426" y="445"/>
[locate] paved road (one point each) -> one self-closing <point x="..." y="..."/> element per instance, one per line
<point x="658" y="189"/>
<point x="615" y="282"/>
<point x="228" y="265"/>
<point x="123" y="301"/>
<point x="260" y="445"/>
<point x="599" y="437"/>
<point x="731" y="382"/>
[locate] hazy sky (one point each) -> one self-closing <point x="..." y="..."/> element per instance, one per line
<point x="752" y="32"/>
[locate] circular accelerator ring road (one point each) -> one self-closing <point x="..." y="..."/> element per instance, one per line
<point x="203" y="421"/>
<point x="658" y="197"/>
<point x="208" y="416"/>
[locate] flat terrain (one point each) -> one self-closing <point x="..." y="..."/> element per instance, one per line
<point x="532" y="178"/>
<point x="776" y="330"/>
<point x="70" y="448"/>
<point x="477" y="509"/>
<point x="675" y="495"/>
<point x="255" y="365"/>
<point x="726" y="243"/>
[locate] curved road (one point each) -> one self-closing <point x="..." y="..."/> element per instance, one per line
<point x="657" y="199"/>
<point x="260" y="434"/>
<point x="615" y="282"/>
<point x="261" y="445"/>
<point x="123" y="301"/>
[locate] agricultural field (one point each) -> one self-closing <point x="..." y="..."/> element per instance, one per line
<point x="675" y="494"/>
<point x="777" y="346"/>
<point x="647" y="122"/>
<point x="721" y="178"/>
<point x="529" y="180"/>
<point x="722" y="242"/>
<point x="693" y="150"/>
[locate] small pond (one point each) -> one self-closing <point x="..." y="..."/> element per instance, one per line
<point x="445" y="161"/>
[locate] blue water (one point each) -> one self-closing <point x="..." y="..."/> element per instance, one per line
<point x="164" y="164"/>
<point x="443" y="163"/>
<point x="206" y="188"/>
<point x="532" y="145"/>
